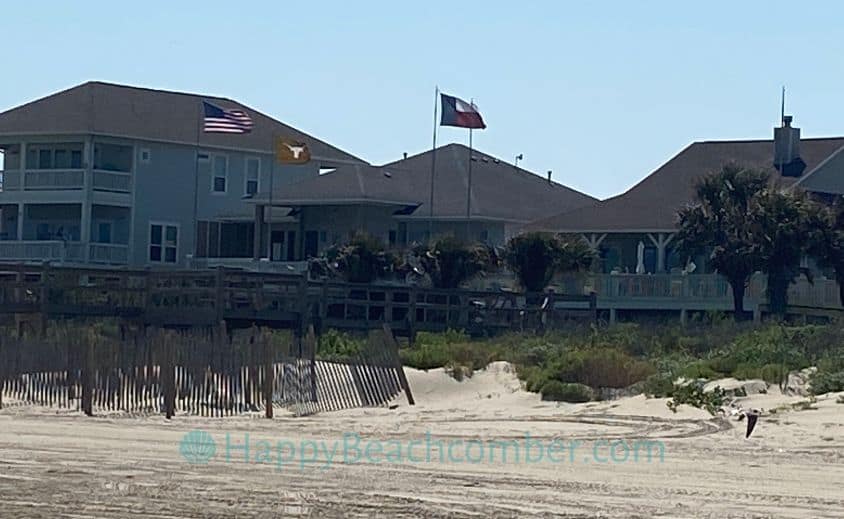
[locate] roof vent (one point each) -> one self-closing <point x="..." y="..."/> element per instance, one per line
<point x="405" y="155"/>
<point x="549" y="177"/>
<point x="388" y="174"/>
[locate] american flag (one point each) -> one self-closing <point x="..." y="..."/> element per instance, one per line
<point x="218" y="120"/>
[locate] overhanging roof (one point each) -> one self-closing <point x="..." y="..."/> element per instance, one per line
<point x="652" y="204"/>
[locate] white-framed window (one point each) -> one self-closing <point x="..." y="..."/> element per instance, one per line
<point x="145" y="155"/>
<point x="163" y="242"/>
<point x="219" y="173"/>
<point x="252" y="176"/>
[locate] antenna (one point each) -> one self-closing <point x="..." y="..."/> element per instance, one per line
<point x="782" y="107"/>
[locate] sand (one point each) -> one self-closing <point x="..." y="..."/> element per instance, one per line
<point x="58" y="463"/>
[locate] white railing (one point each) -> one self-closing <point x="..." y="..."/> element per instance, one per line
<point x="698" y="288"/>
<point x="11" y="180"/>
<point x="112" y="181"/>
<point x="54" y="179"/>
<point x="60" y="179"/>
<point x="42" y="251"/>
<point x="108" y="253"/>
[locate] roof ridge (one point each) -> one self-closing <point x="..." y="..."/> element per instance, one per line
<point x="159" y="90"/>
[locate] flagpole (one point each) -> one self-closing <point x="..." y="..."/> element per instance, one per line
<point x="196" y="188"/>
<point x="469" y="186"/>
<point x="270" y="215"/>
<point x="469" y="192"/>
<point x="433" y="167"/>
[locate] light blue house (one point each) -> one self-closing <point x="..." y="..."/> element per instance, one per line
<point x="115" y="175"/>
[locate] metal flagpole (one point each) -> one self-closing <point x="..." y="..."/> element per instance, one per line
<point x="469" y="186"/>
<point x="270" y="215"/>
<point x="433" y="167"/>
<point x="196" y="188"/>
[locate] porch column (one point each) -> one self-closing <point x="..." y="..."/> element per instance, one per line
<point x="20" y="221"/>
<point x="661" y="241"/>
<point x="259" y="232"/>
<point x="85" y="218"/>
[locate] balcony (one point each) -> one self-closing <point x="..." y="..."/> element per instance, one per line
<point x="61" y="179"/>
<point x="66" y="252"/>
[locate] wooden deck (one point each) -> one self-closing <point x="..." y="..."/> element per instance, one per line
<point x="207" y="297"/>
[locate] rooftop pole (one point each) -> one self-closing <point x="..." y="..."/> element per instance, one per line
<point x="433" y="168"/>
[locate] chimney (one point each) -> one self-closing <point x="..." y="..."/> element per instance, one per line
<point x="787" y="149"/>
<point x="405" y="155"/>
<point x="549" y="176"/>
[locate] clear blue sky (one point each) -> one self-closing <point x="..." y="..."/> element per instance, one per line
<point x="599" y="92"/>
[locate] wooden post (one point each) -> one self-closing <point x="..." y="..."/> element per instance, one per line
<point x="392" y="345"/>
<point x="411" y="316"/>
<point x="3" y="367"/>
<point x="269" y="373"/>
<point x="312" y="346"/>
<point x="168" y="378"/>
<point x="88" y="375"/>
<point x="220" y="293"/>
<point x="593" y="306"/>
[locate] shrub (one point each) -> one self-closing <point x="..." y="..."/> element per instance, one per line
<point x="363" y="259"/>
<point x="336" y="346"/>
<point x="600" y="367"/>
<point x="565" y="392"/>
<point x="694" y="395"/>
<point x="826" y="382"/>
<point x="426" y="356"/>
<point x="536" y="256"/>
<point x="450" y="261"/>
<point x="659" y="385"/>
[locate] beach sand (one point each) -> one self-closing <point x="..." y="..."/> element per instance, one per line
<point x="59" y="463"/>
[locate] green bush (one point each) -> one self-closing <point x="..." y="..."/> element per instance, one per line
<point x="825" y="382"/>
<point x="536" y="256"/>
<point x="426" y="356"/>
<point x="659" y="385"/>
<point x="693" y="394"/>
<point x="363" y="260"/>
<point x="336" y="346"/>
<point x="562" y="392"/>
<point x="450" y="262"/>
<point x="600" y="367"/>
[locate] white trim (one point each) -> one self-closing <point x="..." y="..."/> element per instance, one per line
<point x="246" y="161"/>
<point x="214" y="157"/>
<point x="163" y="226"/>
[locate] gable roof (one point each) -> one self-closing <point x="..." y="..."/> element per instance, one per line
<point x="143" y="113"/>
<point x="652" y="204"/>
<point x="500" y="191"/>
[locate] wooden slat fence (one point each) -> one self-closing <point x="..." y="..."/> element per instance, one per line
<point x="207" y="372"/>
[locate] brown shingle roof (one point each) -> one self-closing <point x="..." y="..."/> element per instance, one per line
<point x="500" y="190"/>
<point x="143" y="113"/>
<point x="652" y="204"/>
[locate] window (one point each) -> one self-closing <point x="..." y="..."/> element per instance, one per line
<point x="54" y="156"/>
<point x="146" y="155"/>
<point x="252" y="174"/>
<point x="104" y="232"/>
<point x="220" y="172"/>
<point x="163" y="243"/>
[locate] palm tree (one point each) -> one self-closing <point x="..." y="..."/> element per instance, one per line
<point x="826" y="239"/>
<point x="721" y="222"/>
<point x="783" y="230"/>
<point x="536" y="256"/>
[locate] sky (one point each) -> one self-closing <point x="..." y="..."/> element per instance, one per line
<point x="600" y="93"/>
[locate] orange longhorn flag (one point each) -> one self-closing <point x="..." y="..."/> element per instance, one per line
<point x="291" y="151"/>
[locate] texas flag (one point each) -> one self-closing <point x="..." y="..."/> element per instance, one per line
<point x="457" y="112"/>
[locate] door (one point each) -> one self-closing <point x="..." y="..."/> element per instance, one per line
<point x="277" y="246"/>
<point x="311" y="244"/>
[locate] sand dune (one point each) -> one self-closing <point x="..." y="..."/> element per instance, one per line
<point x="63" y="464"/>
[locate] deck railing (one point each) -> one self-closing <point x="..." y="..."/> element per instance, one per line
<point x="108" y="253"/>
<point x="53" y="250"/>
